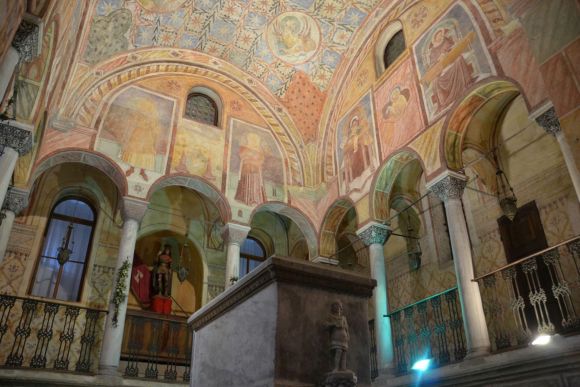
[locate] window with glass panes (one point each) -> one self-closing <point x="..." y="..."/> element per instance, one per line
<point x="202" y="108"/>
<point x="394" y="48"/>
<point x="61" y="266"/>
<point x="252" y="254"/>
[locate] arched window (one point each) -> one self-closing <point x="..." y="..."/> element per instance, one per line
<point x="394" y="48"/>
<point x="252" y="254"/>
<point x="390" y="46"/>
<point x="67" y="241"/>
<point x="202" y="108"/>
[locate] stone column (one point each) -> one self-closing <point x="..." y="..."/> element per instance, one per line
<point x="133" y="211"/>
<point x="7" y="68"/>
<point x="15" y="202"/>
<point x="374" y="235"/>
<point x="549" y="121"/>
<point x="449" y="188"/>
<point x="15" y="140"/>
<point x="234" y="235"/>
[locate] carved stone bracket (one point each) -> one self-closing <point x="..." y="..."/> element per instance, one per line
<point x="448" y="185"/>
<point x="27" y="39"/>
<point x="16" y="200"/>
<point x="374" y="233"/>
<point x="549" y="121"/>
<point x="235" y="233"/>
<point x="134" y="208"/>
<point x="16" y="136"/>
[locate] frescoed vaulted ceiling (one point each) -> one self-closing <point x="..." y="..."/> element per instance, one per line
<point x="272" y="40"/>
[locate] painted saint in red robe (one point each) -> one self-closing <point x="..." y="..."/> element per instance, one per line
<point x="456" y="74"/>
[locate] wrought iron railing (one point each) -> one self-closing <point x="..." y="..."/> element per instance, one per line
<point x="156" y="347"/>
<point x="49" y="335"/>
<point x="373" y="350"/>
<point x="429" y="329"/>
<point x="538" y="294"/>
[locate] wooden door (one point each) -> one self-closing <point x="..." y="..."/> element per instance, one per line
<point x="522" y="237"/>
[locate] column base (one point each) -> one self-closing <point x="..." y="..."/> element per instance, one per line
<point x="475" y="353"/>
<point x="109" y="375"/>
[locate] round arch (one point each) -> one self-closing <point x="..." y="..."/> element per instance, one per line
<point x="298" y="217"/>
<point x="502" y="91"/>
<point x="81" y="156"/>
<point x="332" y="220"/>
<point x="198" y="184"/>
<point x="382" y="187"/>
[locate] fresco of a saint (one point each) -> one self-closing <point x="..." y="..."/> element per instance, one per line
<point x="400" y="117"/>
<point x="136" y="130"/>
<point x="450" y="59"/>
<point x="256" y="167"/>
<point x="356" y="151"/>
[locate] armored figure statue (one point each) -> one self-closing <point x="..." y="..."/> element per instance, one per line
<point x="162" y="272"/>
<point x="338" y="328"/>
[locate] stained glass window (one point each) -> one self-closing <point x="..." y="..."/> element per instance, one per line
<point x="61" y="265"/>
<point x="201" y="108"/>
<point x="394" y="48"/>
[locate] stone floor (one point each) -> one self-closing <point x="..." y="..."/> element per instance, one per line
<point x="556" y="365"/>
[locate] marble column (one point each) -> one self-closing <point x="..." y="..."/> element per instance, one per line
<point x="449" y="188"/>
<point x="133" y="211"/>
<point x="234" y="236"/>
<point x="16" y="201"/>
<point x="15" y="140"/>
<point x="374" y="235"/>
<point x="7" y="68"/>
<point x="549" y="121"/>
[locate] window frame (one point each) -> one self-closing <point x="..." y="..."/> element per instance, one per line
<point x="198" y="91"/>
<point x="52" y="215"/>
<point x="381" y="45"/>
<point x="249" y="257"/>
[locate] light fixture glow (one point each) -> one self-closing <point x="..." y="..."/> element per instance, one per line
<point x="542" y="340"/>
<point x="421" y="365"/>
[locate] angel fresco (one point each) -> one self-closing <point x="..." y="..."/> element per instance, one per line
<point x="294" y="37"/>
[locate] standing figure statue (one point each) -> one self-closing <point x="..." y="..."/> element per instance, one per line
<point x="338" y="327"/>
<point x="162" y="272"/>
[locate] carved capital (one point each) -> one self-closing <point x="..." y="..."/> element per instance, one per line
<point x="16" y="200"/>
<point x="235" y="233"/>
<point x="549" y="121"/>
<point x="448" y="185"/>
<point x="28" y="38"/>
<point x="16" y="135"/>
<point x="374" y="233"/>
<point x="134" y="208"/>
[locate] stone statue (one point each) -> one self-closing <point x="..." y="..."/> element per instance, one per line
<point x="162" y="272"/>
<point x="337" y="326"/>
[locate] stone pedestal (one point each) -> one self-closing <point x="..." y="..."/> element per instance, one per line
<point x="269" y="329"/>
<point x="340" y="379"/>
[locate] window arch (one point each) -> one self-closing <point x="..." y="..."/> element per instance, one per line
<point x="390" y="46"/>
<point x="63" y="259"/>
<point x="252" y="254"/>
<point x="203" y="105"/>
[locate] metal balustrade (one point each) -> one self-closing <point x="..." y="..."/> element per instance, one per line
<point x="49" y="335"/>
<point x="538" y="294"/>
<point x="431" y="328"/>
<point x="156" y="347"/>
